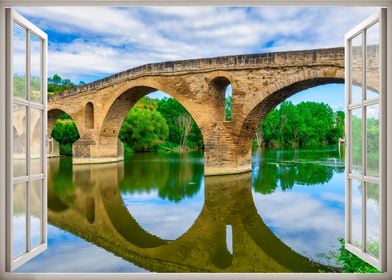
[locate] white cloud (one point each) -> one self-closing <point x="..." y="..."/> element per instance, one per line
<point x="304" y="223"/>
<point x="98" y="41"/>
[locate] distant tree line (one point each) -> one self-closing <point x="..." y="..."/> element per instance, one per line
<point x="57" y="84"/>
<point x="304" y="124"/>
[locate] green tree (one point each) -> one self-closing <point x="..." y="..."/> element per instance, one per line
<point x="143" y="130"/>
<point x="171" y="109"/>
<point x="66" y="133"/>
<point x="57" y="84"/>
<point x="304" y="124"/>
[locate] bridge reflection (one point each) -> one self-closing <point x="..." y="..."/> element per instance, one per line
<point x="86" y="201"/>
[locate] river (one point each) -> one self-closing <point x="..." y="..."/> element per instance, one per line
<point x="157" y="212"/>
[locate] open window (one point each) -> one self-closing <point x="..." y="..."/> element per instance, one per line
<point x="366" y="140"/>
<point x="26" y="129"/>
<point x="26" y="140"/>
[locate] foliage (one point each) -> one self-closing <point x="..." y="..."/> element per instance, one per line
<point x="184" y="123"/>
<point x="143" y="130"/>
<point x="19" y="86"/>
<point x="352" y="263"/>
<point x="171" y="109"/>
<point x="305" y="124"/>
<point x="228" y="104"/>
<point x="66" y="133"/>
<point x="57" y="84"/>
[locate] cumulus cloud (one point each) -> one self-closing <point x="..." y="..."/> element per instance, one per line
<point x="306" y="224"/>
<point x="92" y="42"/>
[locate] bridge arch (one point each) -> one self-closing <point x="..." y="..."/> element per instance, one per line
<point x="89" y="115"/>
<point x="53" y="116"/>
<point x="220" y="82"/>
<point x="275" y="96"/>
<point x="123" y="101"/>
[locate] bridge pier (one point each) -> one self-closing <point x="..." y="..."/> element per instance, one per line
<point x="87" y="151"/>
<point x="225" y="154"/>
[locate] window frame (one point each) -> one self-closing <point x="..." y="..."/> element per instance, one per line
<point x="388" y="147"/>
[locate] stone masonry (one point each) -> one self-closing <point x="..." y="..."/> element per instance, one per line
<point x="259" y="83"/>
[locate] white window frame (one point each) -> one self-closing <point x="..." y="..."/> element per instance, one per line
<point x="388" y="149"/>
<point x="377" y="18"/>
<point x="14" y="18"/>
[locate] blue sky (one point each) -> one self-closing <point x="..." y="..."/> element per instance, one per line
<point x="89" y="43"/>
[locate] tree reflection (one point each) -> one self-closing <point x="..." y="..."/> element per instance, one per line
<point x="61" y="191"/>
<point x="286" y="168"/>
<point x="174" y="176"/>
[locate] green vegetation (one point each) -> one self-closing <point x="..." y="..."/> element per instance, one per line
<point x="66" y="133"/>
<point x="172" y="111"/>
<point x="305" y="124"/>
<point x="143" y="130"/>
<point x="57" y="84"/>
<point x="351" y="263"/>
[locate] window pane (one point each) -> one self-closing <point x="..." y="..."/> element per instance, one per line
<point x="372" y="61"/>
<point x="372" y="140"/>
<point x="19" y="220"/>
<point x="357" y="68"/>
<point x="20" y="140"/>
<point x="356" y="213"/>
<point x="35" y="77"/>
<point x="19" y="61"/>
<point x="356" y="141"/>
<point x="373" y="219"/>
<point x="36" y="212"/>
<point x="36" y="140"/>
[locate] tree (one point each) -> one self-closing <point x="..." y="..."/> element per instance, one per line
<point x="143" y="130"/>
<point x="171" y="109"/>
<point x="304" y="124"/>
<point x="57" y="84"/>
<point x="66" y="133"/>
<point x="184" y="123"/>
<point x="259" y="136"/>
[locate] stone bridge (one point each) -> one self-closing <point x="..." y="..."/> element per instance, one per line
<point x="259" y="83"/>
<point x="97" y="213"/>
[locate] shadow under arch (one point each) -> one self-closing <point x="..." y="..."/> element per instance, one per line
<point x="262" y="109"/>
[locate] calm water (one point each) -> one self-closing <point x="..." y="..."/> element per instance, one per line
<point x="157" y="212"/>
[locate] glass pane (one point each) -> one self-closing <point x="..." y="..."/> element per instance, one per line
<point x="372" y="140"/>
<point x="19" y="220"/>
<point x="19" y="61"/>
<point x="357" y="69"/>
<point x="20" y="140"/>
<point x="35" y="77"/>
<point x="36" y="212"/>
<point x="373" y="219"/>
<point x="36" y="140"/>
<point x="356" y="213"/>
<point x="372" y="61"/>
<point x="356" y="141"/>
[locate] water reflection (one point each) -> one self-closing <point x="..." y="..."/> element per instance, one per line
<point x="159" y="213"/>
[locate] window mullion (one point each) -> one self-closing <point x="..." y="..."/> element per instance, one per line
<point x="364" y="186"/>
<point x="28" y="150"/>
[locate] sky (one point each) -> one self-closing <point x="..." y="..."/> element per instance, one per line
<point x="89" y="43"/>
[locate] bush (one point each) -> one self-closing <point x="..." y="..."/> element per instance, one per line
<point x="352" y="263"/>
